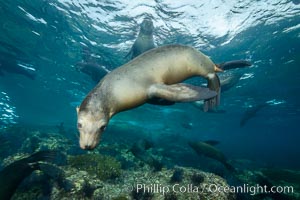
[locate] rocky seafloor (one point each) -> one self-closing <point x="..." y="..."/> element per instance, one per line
<point x="113" y="172"/>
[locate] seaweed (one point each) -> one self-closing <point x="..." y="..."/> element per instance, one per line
<point x="88" y="189"/>
<point x="144" y="195"/>
<point x="104" y="167"/>
<point x="197" y="179"/>
<point x="177" y="176"/>
<point x="156" y="164"/>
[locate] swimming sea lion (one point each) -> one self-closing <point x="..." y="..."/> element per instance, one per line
<point x="208" y="150"/>
<point x="154" y="74"/>
<point x="12" y="175"/>
<point x="234" y="64"/>
<point x="251" y="112"/>
<point x="144" y="41"/>
<point x="89" y="65"/>
<point x="227" y="82"/>
<point x="9" y="64"/>
<point x="97" y="72"/>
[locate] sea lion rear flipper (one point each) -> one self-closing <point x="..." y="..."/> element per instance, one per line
<point x="180" y="92"/>
<point x="215" y="85"/>
<point x="234" y="64"/>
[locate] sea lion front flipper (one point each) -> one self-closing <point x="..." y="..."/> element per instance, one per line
<point x="180" y="92"/>
<point x="234" y="64"/>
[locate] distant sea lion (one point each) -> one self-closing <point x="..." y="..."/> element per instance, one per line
<point x="251" y="112"/>
<point x="95" y="71"/>
<point x="229" y="81"/>
<point x="156" y="74"/>
<point x="10" y="65"/>
<point x="89" y="66"/>
<point x="234" y="64"/>
<point x="208" y="150"/>
<point x="144" y="41"/>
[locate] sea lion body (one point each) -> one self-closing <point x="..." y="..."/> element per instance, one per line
<point x="144" y="41"/>
<point x="95" y="71"/>
<point x="154" y="74"/>
<point x="208" y="150"/>
<point x="13" y="174"/>
<point x="251" y="112"/>
<point x="9" y="64"/>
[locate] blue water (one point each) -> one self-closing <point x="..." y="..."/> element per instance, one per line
<point x="49" y="36"/>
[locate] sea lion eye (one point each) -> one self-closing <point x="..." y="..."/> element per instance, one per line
<point x="79" y="125"/>
<point x="102" y="128"/>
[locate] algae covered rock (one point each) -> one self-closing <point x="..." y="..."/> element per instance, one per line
<point x="147" y="184"/>
<point x="104" y="167"/>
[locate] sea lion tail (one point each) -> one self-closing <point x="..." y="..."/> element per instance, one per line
<point x="215" y="85"/>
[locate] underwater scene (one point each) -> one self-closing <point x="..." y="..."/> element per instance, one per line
<point x="149" y="100"/>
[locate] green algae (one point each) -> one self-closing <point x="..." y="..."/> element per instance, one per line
<point x="104" y="167"/>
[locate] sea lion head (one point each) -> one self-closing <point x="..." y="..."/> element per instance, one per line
<point x="147" y="26"/>
<point x="90" y="127"/>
